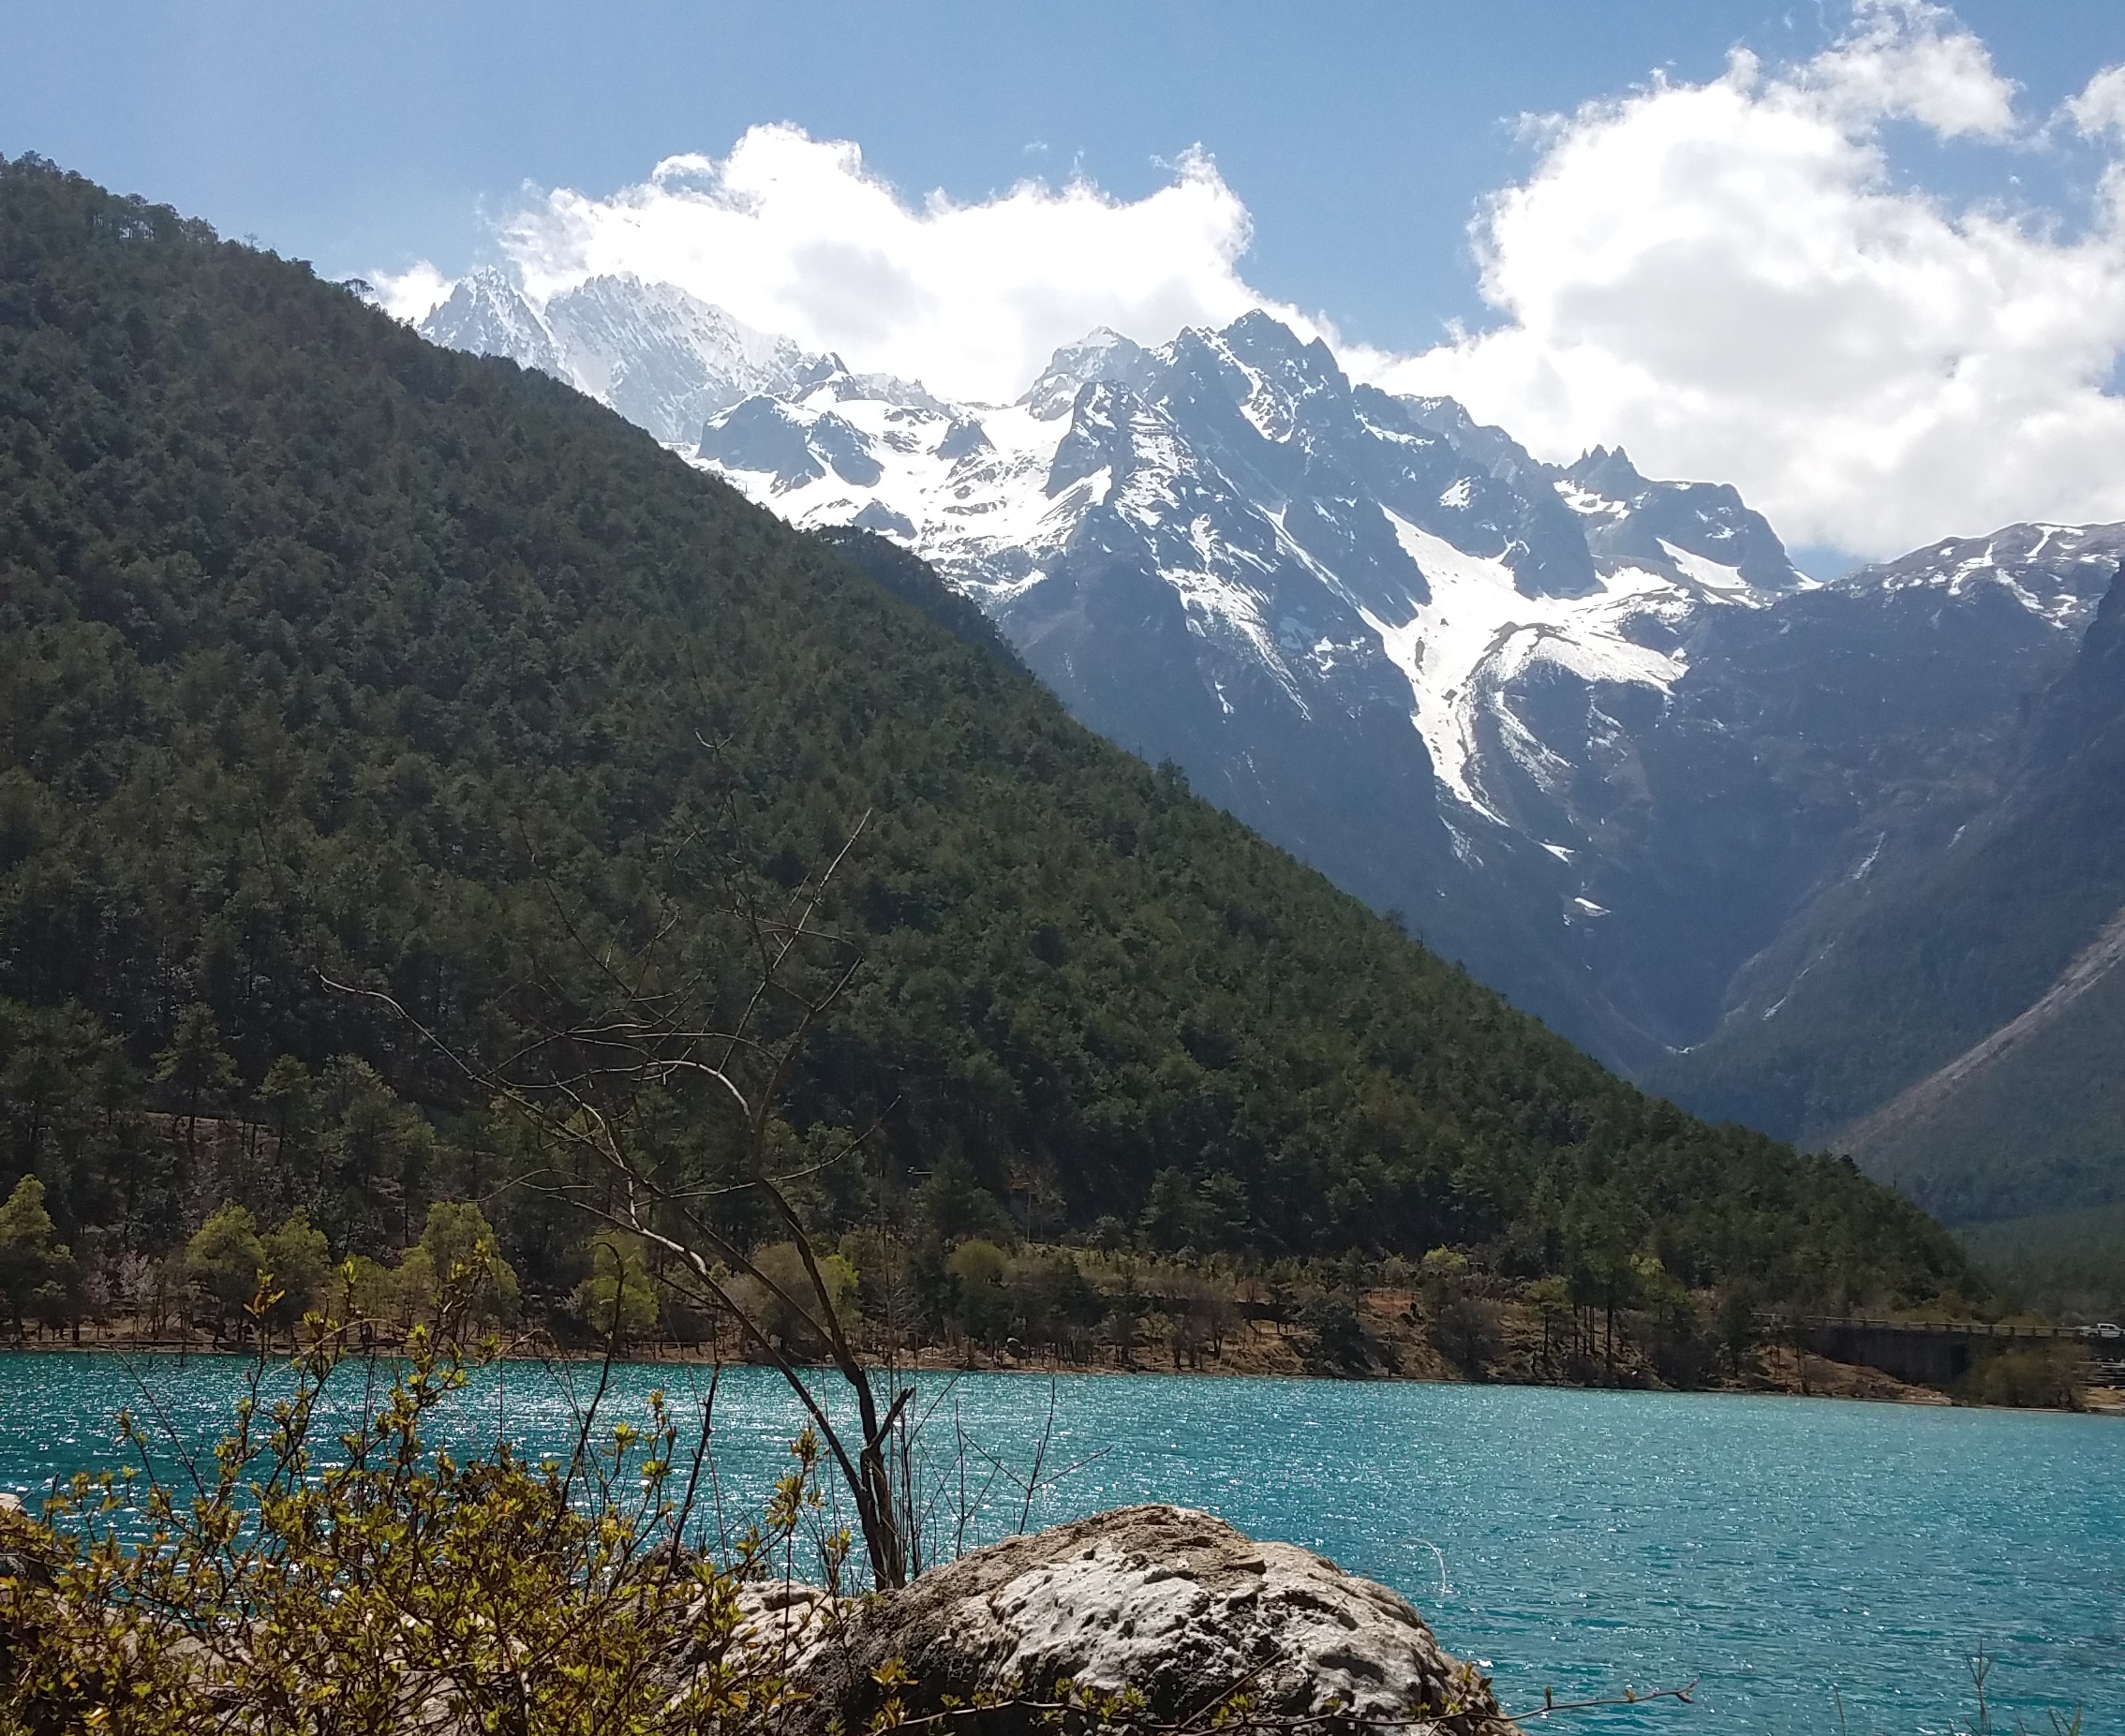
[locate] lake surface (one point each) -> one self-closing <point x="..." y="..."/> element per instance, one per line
<point x="1783" y="1551"/>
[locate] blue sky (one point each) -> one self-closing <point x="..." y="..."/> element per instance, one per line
<point x="1360" y="135"/>
<point x="1361" y="139"/>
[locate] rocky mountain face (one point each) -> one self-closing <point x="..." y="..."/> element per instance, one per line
<point x="1954" y="1015"/>
<point x="664" y="359"/>
<point x="1591" y="733"/>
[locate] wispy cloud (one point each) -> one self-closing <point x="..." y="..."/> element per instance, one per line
<point x="412" y="294"/>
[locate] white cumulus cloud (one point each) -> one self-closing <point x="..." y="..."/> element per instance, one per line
<point x="413" y="293"/>
<point x="795" y="235"/>
<point x="1728" y="278"/>
<point x="2099" y="107"/>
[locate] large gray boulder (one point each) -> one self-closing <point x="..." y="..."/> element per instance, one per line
<point x="1160" y="1602"/>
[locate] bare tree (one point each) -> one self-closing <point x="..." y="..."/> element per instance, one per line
<point x="591" y="1082"/>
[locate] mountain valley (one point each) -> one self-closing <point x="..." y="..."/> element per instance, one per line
<point x="1591" y="733"/>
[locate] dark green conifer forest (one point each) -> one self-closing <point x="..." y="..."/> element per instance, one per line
<point x="330" y="657"/>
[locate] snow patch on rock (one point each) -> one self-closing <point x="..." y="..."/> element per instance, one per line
<point x="1479" y="631"/>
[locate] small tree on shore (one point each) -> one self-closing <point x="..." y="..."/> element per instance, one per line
<point x="224" y="1258"/>
<point x="670" y="1021"/>
<point x="981" y="1305"/>
<point x="1551" y="1300"/>
<point x="618" y="1300"/>
<point x="33" y="1259"/>
<point x="300" y="1261"/>
<point x="1736" y="1327"/>
<point x="460" y="1255"/>
<point x="786" y="1274"/>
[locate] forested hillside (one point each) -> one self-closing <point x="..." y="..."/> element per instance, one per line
<point x="2069" y="1264"/>
<point x="327" y="655"/>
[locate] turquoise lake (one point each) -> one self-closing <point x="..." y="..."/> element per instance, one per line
<point x="1782" y="1550"/>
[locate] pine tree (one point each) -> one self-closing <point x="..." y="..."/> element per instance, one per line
<point x="197" y="1068"/>
<point x="30" y="1255"/>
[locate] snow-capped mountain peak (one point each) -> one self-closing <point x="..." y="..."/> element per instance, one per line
<point x="1328" y="539"/>
<point x="663" y="358"/>
<point x="485" y="314"/>
<point x="1102" y="356"/>
<point x="1674" y="527"/>
<point x="2057" y="573"/>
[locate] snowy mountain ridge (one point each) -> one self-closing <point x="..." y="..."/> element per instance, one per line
<point x="1418" y="536"/>
<point x="1590" y="733"/>
<point x="664" y="359"/>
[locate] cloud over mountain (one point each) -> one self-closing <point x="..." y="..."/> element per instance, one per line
<point x="796" y="235"/>
<point x="1731" y="279"/>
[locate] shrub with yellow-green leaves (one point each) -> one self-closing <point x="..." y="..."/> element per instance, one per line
<point x="372" y="1581"/>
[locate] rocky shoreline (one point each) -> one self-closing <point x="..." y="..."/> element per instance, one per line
<point x="1142" y="1621"/>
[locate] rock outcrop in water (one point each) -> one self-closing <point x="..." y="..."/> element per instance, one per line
<point x="1160" y="1601"/>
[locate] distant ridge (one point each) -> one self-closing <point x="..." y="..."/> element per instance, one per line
<point x="1995" y="960"/>
<point x="1904" y="1113"/>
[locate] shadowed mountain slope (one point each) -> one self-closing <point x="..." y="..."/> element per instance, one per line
<point x="1959" y="1031"/>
